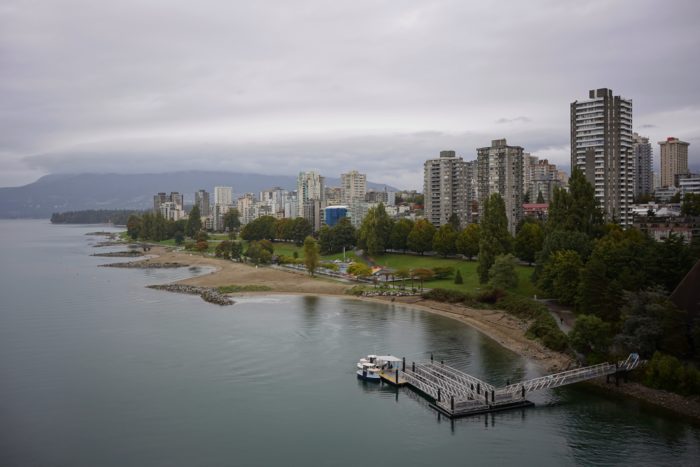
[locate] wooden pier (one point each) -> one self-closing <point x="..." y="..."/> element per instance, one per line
<point x="457" y="394"/>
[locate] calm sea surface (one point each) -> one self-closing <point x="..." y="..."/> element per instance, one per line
<point x="97" y="370"/>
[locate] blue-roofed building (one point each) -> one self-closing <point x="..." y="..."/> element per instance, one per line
<point x="333" y="214"/>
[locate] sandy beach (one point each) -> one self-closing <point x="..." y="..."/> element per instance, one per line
<point x="505" y="329"/>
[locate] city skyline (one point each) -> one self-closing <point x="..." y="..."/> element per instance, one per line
<point x="153" y="89"/>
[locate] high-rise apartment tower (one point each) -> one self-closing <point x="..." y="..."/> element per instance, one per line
<point x="643" y="177"/>
<point x="446" y="189"/>
<point x="500" y="170"/>
<point x="601" y="147"/>
<point x="674" y="161"/>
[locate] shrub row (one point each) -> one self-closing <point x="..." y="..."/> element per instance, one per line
<point x="543" y="326"/>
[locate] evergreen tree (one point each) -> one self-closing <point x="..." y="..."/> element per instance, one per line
<point x="458" y="278"/>
<point x="494" y="239"/>
<point x="576" y="210"/>
<point x="133" y="226"/>
<point x="540" y="198"/>
<point x="194" y="222"/>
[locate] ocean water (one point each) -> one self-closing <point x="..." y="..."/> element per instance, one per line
<point x="97" y="370"/>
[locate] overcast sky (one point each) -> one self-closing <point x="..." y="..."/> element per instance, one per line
<point x="282" y="86"/>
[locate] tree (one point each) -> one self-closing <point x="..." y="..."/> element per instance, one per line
<point x="528" y="241"/>
<point x="358" y="269"/>
<point x="223" y="250"/>
<point x="560" y="276"/>
<point x="232" y="220"/>
<point x="284" y="229"/>
<point x="344" y="235"/>
<point x="444" y="240"/>
<point x="334" y="239"/>
<point x="591" y="336"/>
<point x="422" y="274"/>
<point x="691" y="204"/>
<point x="301" y="228"/>
<point x="651" y="322"/>
<point x="467" y="242"/>
<point x="179" y="237"/>
<point x="672" y="259"/>
<point x="194" y="222"/>
<point x="458" y="278"/>
<point x="455" y="222"/>
<point x="620" y="260"/>
<point x="576" y="210"/>
<point x="146" y="230"/>
<point x="374" y="232"/>
<point x="540" y="198"/>
<point x="502" y="274"/>
<point x="261" y="228"/>
<point x="403" y="274"/>
<point x="236" y="250"/>
<point x="325" y="240"/>
<point x="420" y="239"/>
<point x="311" y="255"/>
<point x="133" y="226"/>
<point x="258" y="253"/>
<point x="398" y="239"/>
<point x="494" y="239"/>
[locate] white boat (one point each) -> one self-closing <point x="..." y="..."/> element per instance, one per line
<point x="371" y="367"/>
<point x="369" y="372"/>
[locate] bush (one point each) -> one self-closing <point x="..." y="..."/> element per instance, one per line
<point x="451" y="296"/>
<point x="667" y="372"/>
<point x="522" y="307"/>
<point x="443" y="272"/>
<point x="490" y="295"/>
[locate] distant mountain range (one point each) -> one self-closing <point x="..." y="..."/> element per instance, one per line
<point x="74" y="192"/>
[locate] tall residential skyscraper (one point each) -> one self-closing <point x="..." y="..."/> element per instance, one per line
<point x="353" y="185"/>
<point x="310" y="189"/>
<point x="201" y="200"/>
<point x="674" y="161"/>
<point x="223" y="195"/>
<point x="500" y="170"/>
<point x="643" y="176"/>
<point x="601" y="147"/>
<point x="446" y="188"/>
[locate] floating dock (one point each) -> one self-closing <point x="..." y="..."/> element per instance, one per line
<point x="457" y="394"/>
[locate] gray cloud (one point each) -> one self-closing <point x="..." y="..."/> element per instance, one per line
<point x="283" y="86"/>
<point x="521" y="119"/>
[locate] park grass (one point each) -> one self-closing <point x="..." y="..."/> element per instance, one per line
<point x="468" y="269"/>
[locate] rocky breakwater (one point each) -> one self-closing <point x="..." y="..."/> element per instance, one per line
<point x="144" y="265"/>
<point x="207" y="294"/>
<point x="119" y="254"/>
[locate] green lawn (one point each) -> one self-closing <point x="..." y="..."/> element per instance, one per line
<point x="467" y="268"/>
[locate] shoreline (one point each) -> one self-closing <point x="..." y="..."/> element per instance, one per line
<point x="505" y="329"/>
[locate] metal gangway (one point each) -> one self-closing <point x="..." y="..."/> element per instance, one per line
<point x="456" y="393"/>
